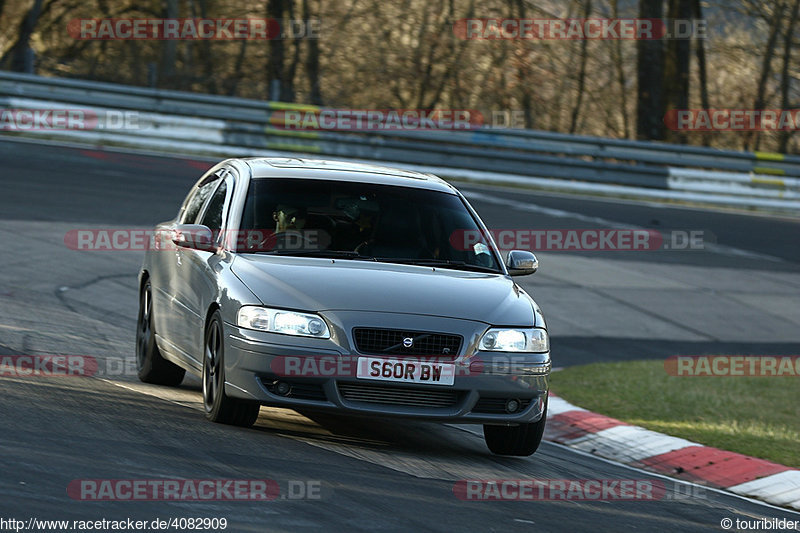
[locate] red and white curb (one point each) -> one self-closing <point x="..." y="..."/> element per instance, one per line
<point x="633" y="445"/>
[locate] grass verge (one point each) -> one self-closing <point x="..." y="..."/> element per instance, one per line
<point x="757" y="416"/>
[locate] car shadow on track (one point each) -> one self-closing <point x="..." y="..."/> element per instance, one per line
<point x="434" y="448"/>
<point x="367" y="431"/>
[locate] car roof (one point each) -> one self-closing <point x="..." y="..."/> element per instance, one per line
<point x="301" y="168"/>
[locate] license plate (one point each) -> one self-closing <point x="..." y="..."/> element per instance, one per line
<point x="406" y="371"/>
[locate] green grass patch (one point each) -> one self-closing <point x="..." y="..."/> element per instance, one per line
<point x="757" y="416"/>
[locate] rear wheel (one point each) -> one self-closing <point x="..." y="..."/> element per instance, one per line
<point x="150" y="364"/>
<point x="522" y="439"/>
<point x="220" y="407"/>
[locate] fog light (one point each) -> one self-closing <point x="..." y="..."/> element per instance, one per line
<point x="283" y="388"/>
<point x="512" y="406"/>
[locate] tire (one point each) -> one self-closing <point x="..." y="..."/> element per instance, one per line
<point x="522" y="439"/>
<point x="150" y="364"/>
<point x="220" y="407"/>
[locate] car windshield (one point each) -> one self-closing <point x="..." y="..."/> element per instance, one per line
<point x="351" y="220"/>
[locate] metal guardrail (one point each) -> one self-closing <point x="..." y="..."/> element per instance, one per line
<point x="250" y="124"/>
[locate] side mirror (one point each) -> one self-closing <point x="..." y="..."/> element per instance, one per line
<point x="193" y="236"/>
<point x="521" y="263"/>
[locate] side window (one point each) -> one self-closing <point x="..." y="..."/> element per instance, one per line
<point x="213" y="215"/>
<point x="196" y="200"/>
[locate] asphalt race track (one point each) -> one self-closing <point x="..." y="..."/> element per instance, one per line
<point x="738" y="295"/>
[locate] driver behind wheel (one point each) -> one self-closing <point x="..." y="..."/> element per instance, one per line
<point x="290" y="223"/>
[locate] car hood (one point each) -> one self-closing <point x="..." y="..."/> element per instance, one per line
<point x="315" y="284"/>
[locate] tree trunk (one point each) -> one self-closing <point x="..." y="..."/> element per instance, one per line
<point x="786" y="78"/>
<point x="280" y="82"/>
<point x="766" y="67"/>
<point x="457" y="50"/>
<point x="169" y="48"/>
<point x="233" y="83"/>
<point x="291" y="70"/>
<point x="276" y="53"/>
<point x="701" y="67"/>
<point x="312" y="61"/>
<point x="676" y="67"/>
<point x="209" y="73"/>
<point x="650" y="77"/>
<point x="619" y="66"/>
<point x="20" y="55"/>
<point x="576" y="110"/>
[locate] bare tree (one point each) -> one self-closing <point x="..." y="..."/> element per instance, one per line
<point x="775" y="24"/>
<point x="207" y="55"/>
<point x="456" y="51"/>
<point x="404" y="53"/>
<point x="312" y="60"/>
<point x="576" y="109"/>
<point x="676" y="66"/>
<point x="169" y="48"/>
<point x="786" y="78"/>
<point x="650" y="76"/>
<point x="700" y="51"/>
<point x="621" y="79"/>
<point x="20" y="56"/>
<point x="280" y="85"/>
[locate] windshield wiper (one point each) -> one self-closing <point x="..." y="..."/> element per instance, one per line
<point x="442" y="263"/>
<point x="332" y="254"/>
<point x="348" y="254"/>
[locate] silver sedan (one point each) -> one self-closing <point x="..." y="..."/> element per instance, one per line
<point x="355" y="288"/>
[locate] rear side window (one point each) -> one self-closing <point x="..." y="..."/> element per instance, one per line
<point x="196" y="200"/>
<point x="213" y="215"/>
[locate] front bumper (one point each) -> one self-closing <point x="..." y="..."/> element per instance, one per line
<point x="322" y="376"/>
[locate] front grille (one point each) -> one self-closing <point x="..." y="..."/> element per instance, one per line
<point x="390" y="342"/>
<point x="496" y="406"/>
<point x="299" y="390"/>
<point x="407" y="396"/>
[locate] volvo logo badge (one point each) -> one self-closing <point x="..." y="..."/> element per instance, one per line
<point x="408" y="342"/>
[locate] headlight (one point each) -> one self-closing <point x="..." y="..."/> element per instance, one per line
<point x="532" y="340"/>
<point x="282" y="321"/>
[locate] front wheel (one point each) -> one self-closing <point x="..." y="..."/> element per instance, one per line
<point x="219" y="406"/>
<point x="522" y="439"/>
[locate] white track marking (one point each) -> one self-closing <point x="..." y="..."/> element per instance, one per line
<point x="556" y="406"/>
<point x="782" y="488"/>
<point x="628" y="443"/>
<point x="561" y="213"/>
